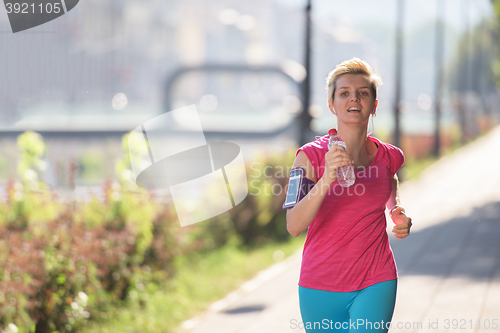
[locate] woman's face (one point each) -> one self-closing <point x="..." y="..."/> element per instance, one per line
<point x="353" y="100"/>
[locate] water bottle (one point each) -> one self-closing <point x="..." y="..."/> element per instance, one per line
<point x="345" y="174"/>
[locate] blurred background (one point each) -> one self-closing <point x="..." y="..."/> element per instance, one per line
<point x="256" y="73"/>
<point x="59" y="79"/>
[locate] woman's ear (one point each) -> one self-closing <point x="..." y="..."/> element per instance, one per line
<point x="332" y="110"/>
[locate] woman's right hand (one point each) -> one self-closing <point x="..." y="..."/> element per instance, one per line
<point x="302" y="214"/>
<point x="336" y="157"/>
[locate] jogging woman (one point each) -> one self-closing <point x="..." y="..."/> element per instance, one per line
<point x="348" y="277"/>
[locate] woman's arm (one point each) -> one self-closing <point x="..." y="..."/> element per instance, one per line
<point x="394" y="198"/>
<point x="397" y="212"/>
<point x="302" y="214"/>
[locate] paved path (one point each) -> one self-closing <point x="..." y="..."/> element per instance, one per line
<point x="449" y="268"/>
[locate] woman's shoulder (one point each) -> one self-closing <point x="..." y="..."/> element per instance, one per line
<point x="321" y="143"/>
<point x="392" y="154"/>
<point x="391" y="149"/>
<point x="315" y="150"/>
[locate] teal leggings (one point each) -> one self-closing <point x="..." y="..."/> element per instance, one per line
<point x="365" y="310"/>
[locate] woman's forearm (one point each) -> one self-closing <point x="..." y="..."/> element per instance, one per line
<point x="394" y="197"/>
<point x="303" y="213"/>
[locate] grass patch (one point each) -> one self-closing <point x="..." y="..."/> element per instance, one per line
<point x="414" y="167"/>
<point x="200" y="280"/>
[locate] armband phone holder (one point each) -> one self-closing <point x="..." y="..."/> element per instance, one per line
<point x="298" y="187"/>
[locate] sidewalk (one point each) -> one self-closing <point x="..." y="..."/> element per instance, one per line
<point x="449" y="267"/>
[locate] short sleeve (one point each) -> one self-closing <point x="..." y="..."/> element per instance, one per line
<point x="396" y="158"/>
<point x="315" y="152"/>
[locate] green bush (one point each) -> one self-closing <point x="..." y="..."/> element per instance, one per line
<point x="29" y="199"/>
<point x="260" y="217"/>
<point x="65" y="263"/>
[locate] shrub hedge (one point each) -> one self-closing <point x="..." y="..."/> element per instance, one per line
<point x="65" y="263"/>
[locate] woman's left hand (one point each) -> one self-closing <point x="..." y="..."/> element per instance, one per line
<point x="403" y="223"/>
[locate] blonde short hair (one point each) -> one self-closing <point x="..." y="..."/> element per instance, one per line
<point x="352" y="66"/>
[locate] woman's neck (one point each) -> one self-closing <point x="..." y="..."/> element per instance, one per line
<point x="355" y="140"/>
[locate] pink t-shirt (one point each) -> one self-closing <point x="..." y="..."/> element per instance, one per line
<point x="347" y="247"/>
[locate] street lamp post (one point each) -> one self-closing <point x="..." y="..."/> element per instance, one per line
<point x="440" y="7"/>
<point x="305" y="117"/>
<point x="398" y="69"/>
<point x="465" y="74"/>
